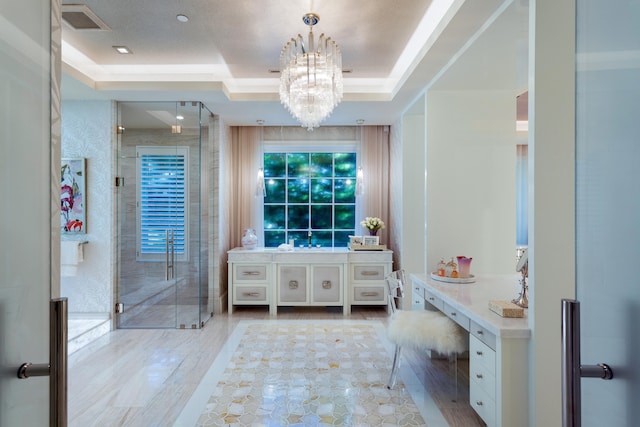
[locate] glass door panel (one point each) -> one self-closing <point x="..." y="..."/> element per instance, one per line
<point x="608" y="205"/>
<point x="153" y="207"/>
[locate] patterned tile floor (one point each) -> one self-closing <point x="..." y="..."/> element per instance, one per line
<point x="315" y="373"/>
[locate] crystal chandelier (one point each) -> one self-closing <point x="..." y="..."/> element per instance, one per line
<point x="311" y="78"/>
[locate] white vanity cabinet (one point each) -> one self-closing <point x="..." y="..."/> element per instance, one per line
<point x="315" y="276"/>
<point x="498" y="346"/>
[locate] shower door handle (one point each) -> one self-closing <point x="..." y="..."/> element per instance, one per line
<point x="170" y="257"/>
<point x="572" y="370"/>
<point x="56" y="369"/>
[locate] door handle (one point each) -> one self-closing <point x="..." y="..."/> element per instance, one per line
<point x="169" y="255"/>
<point x="572" y="369"/>
<point x="56" y="369"/>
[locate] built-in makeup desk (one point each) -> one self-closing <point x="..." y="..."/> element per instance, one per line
<point x="498" y="346"/>
<point x="307" y="277"/>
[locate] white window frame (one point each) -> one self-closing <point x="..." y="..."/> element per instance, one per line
<point x="294" y="146"/>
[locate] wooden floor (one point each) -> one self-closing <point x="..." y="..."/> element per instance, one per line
<point x="144" y="377"/>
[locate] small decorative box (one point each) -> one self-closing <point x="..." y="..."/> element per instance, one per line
<point x="506" y="308"/>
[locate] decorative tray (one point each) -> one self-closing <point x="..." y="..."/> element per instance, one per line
<point x="368" y="247"/>
<point x="469" y="279"/>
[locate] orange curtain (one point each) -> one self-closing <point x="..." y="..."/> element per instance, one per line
<point x="374" y="154"/>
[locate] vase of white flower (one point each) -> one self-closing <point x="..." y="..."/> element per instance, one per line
<point x="372" y="224"/>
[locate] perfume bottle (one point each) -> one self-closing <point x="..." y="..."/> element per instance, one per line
<point x="441" y="268"/>
<point x="450" y="267"/>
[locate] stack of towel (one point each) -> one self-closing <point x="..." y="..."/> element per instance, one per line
<point x="71" y="253"/>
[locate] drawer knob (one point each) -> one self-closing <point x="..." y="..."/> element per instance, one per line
<point x="479" y="402"/>
<point x="293" y="284"/>
<point x="250" y="273"/>
<point x="479" y="332"/>
<point x="250" y="294"/>
<point x="479" y="353"/>
<point x="326" y="284"/>
<point x="479" y="376"/>
<point x="453" y="313"/>
<point x="432" y="299"/>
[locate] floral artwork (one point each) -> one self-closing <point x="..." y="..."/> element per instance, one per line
<point x="72" y="196"/>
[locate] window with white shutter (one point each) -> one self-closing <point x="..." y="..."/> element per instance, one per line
<point x="162" y="208"/>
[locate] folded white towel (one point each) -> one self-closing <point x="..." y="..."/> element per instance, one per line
<point x="71" y="253"/>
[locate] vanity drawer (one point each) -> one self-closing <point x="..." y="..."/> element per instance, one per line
<point x="432" y="299"/>
<point x="481" y="354"/>
<point x="369" y="294"/>
<point x="250" y="272"/>
<point x="483" y="334"/>
<point x="250" y="294"/>
<point x="368" y="272"/>
<point x="483" y="404"/>
<point x="455" y="315"/>
<point x="417" y="298"/>
<point x="481" y="376"/>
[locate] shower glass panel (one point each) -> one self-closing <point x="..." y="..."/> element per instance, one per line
<point x="162" y="233"/>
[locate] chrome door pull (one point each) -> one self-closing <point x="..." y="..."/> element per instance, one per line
<point x="572" y="370"/>
<point x="57" y="366"/>
<point x="169" y="254"/>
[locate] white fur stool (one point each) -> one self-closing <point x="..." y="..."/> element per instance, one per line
<point x="421" y="330"/>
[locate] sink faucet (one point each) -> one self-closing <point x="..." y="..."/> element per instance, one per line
<point x="309" y="238"/>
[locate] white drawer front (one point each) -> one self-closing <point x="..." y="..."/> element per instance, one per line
<point x="456" y="316"/>
<point x="250" y="273"/>
<point x="483" y="334"/>
<point x="247" y="294"/>
<point x="483" y="404"/>
<point x="434" y="300"/>
<point x="369" y="294"/>
<point x="482" y="377"/>
<point x="482" y="354"/>
<point x="368" y="272"/>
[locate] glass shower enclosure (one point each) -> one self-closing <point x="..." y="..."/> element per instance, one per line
<point x="162" y="228"/>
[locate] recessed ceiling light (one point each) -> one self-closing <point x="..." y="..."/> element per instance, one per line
<point x="182" y="18"/>
<point x="122" y="49"/>
<point x="179" y="117"/>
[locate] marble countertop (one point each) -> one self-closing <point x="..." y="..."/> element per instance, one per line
<point x="307" y="255"/>
<point x="303" y="250"/>
<point x="472" y="299"/>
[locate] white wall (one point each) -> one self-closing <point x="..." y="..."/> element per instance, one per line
<point x="87" y="132"/>
<point x="412" y="190"/>
<point x="471" y="169"/>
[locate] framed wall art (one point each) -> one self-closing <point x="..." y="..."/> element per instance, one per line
<point x="73" y="184"/>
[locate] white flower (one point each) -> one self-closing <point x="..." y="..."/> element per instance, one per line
<point x="372" y="223"/>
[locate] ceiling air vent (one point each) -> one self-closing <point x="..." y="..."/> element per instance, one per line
<point x="80" y="17"/>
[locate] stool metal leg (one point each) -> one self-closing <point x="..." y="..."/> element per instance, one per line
<point x="394" y="369"/>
